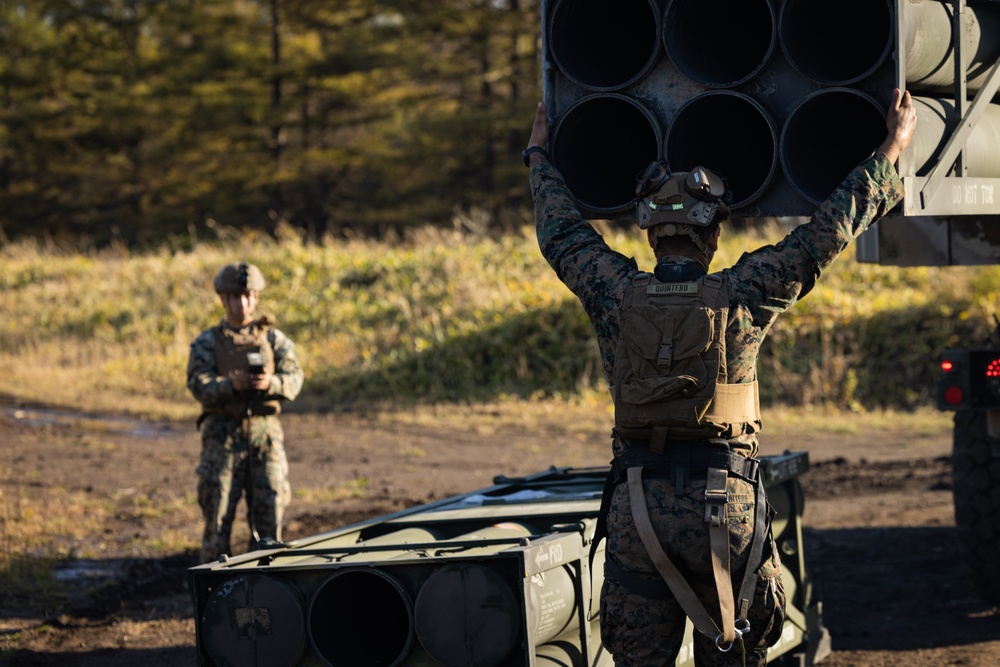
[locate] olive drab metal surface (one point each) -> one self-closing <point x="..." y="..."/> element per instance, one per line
<point x="784" y="98"/>
<point x="499" y="577"/>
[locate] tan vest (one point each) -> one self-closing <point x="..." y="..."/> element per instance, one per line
<point x="670" y="365"/>
<point x="231" y="350"/>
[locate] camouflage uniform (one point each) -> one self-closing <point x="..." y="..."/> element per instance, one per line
<point x="222" y="471"/>
<point x="641" y="622"/>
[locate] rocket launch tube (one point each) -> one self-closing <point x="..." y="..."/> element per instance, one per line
<point x="564" y="651"/>
<point x="599" y="144"/>
<point x="602" y="45"/>
<point x="812" y="36"/>
<point x="467" y="614"/>
<point x="401" y="538"/>
<point x="730" y="133"/>
<point x="719" y="43"/>
<point x="254" y="619"/>
<point x="825" y="136"/>
<point x="362" y="615"/>
<point x="936" y="117"/>
<point x="844" y="126"/>
<point x="926" y="35"/>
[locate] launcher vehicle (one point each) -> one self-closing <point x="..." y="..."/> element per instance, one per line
<point x="496" y="577"/>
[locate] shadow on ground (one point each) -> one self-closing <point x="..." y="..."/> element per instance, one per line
<point x="896" y="588"/>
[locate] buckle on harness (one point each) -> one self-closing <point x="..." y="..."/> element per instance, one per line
<point x="715" y="514"/>
<point x="716" y="496"/>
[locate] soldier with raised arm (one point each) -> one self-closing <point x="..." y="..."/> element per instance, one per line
<point x="688" y="531"/>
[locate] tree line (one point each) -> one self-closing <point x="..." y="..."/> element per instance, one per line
<point x="144" y="120"/>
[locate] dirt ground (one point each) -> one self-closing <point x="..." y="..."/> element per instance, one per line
<point x="880" y="538"/>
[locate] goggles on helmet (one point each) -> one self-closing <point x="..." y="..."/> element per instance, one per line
<point x="685" y="197"/>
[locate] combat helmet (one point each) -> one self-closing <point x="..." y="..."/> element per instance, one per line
<point x="239" y="277"/>
<point x="677" y="203"/>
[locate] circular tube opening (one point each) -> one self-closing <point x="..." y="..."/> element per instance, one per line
<point x="719" y="43"/>
<point x="828" y="134"/>
<point x="836" y="43"/>
<point x="604" y="45"/>
<point x="466" y="614"/>
<point x="729" y="133"/>
<point x="600" y="144"/>
<point x="361" y="617"/>
<point x="253" y="620"/>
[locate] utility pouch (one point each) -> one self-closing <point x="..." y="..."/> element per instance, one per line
<point x="671" y="353"/>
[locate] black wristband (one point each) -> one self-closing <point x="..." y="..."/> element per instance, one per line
<point x="533" y="149"/>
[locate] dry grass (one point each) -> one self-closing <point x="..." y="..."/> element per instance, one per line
<point x="110" y="330"/>
<point x="62" y="525"/>
<point x="594" y="412"/>
<point x="39" y="531"/>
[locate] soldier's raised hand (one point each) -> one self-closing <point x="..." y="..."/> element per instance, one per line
<point x="900" y="121"/>
<point x="539" y="137"/>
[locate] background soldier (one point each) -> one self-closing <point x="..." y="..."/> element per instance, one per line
<point x="679" y="348"/>
<point x="241" y="371"/>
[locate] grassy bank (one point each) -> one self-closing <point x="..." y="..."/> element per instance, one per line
<point x="443" y="317"/>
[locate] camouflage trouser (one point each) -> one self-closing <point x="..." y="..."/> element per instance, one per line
<point x="643" y="626"/>
<point x="222" y="480"/>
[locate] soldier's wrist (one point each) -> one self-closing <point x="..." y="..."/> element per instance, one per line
<point x="533" y="155"/>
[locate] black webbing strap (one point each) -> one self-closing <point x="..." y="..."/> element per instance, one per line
<point x="601" y="529"/>
<point x="761" y="533"/>
<point x="699" y="459"/>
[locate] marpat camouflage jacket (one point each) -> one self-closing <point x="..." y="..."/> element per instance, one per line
<point x="214" y="391"/>
<point x="763" y="283"/>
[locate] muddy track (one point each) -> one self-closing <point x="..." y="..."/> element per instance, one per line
<point x="842" y="478"/>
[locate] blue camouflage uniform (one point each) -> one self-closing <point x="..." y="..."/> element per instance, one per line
<point x="228" y="434"/>
<point x="640" y="624"/>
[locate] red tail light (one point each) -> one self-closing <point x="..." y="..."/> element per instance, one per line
<point x="953" y="395"/>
